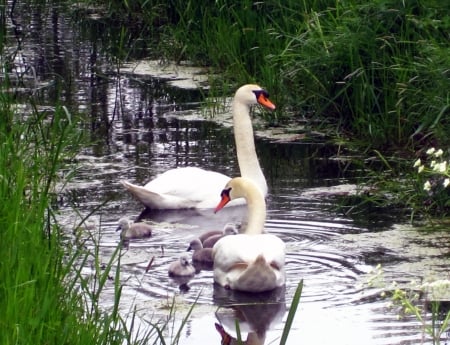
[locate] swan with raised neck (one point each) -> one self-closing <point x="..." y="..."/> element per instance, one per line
<point x="193" y="187"/>
<point x="243" y="132"/>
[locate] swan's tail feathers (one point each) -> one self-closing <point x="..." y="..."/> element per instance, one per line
<point x="148" y="198"/>
<point x="258" y="277"/>
<point x="158" y="201"/>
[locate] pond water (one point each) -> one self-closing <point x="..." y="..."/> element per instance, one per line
<point x="145" y="121"/>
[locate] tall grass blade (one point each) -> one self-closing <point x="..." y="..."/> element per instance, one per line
<point x="291" y="314"/>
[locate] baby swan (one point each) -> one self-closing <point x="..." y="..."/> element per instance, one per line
<point x="131" y="230"/>
<point x="200" y="255"/>
<point x="182" y="267"/>
<point x="228" y="229"/>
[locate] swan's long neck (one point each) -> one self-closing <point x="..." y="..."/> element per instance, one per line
<point x="245" y="145"/>
<point x="256" y="215"/>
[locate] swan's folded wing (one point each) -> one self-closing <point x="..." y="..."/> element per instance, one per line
<point x="252" y="263"/>
<point x="188" y="187"/>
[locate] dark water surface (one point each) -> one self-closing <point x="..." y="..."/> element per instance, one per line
<point x="144" y="125"/>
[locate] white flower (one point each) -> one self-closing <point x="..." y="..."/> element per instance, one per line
<point x="417" y="163"/>
<point x="433" y="165"/>
<point x="431" y="151"/>
<point x="442" y="167"/>
<point x="446" y="182"/>
<point x="421" y="168"/>
<point x="438" y="153"/>
<point x="427" y="186"/>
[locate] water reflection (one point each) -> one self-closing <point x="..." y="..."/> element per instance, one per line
<point x="255" y="314"/>
<point x="204" y="219"/>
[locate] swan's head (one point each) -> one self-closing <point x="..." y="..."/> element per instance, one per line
<point x="184" y="260"/>
<point x="238" y="187"/>
<point x="195" y="244"/>
<point x="124" y="224"/>
<point x="252" y="94"/>
<point x="230" y="229"/>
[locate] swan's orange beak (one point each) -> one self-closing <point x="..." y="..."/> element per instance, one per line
<point x="226" y="338"/>
<point x="264" y="101"/>
<point x="225" y="200"/>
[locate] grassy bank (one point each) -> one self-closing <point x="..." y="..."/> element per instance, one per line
<point x="375" y="71"/>
<point x="44" y="297"/>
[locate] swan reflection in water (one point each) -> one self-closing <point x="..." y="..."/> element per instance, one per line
<point x="203" y="219"/>
<point x="256" y="313"/>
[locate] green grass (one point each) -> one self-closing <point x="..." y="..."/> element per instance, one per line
<point x="376" y="71"/>
<point x="31" y="269"/>
<point x="45" y="299"/>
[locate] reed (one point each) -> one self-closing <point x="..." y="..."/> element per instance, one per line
<point x="377" y="70"/>
<point x="31" y="270"/>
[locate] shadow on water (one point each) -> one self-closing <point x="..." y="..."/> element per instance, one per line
<point x="143" y="126"/>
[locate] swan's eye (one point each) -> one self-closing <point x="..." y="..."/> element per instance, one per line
<point x="258" y="93"/>
<point x="225" y="199"/>
<point x="225" y="192"/>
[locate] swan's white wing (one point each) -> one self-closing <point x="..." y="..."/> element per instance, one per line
<point x="245" y="248"/>
<point x="249" y="262"/>
<point x="188" y="187"/>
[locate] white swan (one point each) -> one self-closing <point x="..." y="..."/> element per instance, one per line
<point x="192" y="187"/>
<point x="252" y="261"/>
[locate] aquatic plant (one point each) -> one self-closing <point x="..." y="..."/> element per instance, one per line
<point x="433" y="176"/>
<point x="408" y="302"/>
<point x="425" y="302"/>
<point x="431" y="195"/>
<point x="418" y="189"/>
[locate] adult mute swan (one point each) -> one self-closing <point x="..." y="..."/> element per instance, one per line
<point x="192" y="187"/>
<point x="252" y="261"/>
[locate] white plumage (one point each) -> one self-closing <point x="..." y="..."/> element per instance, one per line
<point x="192" y="187"/>
<point x="253" y="261"/>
